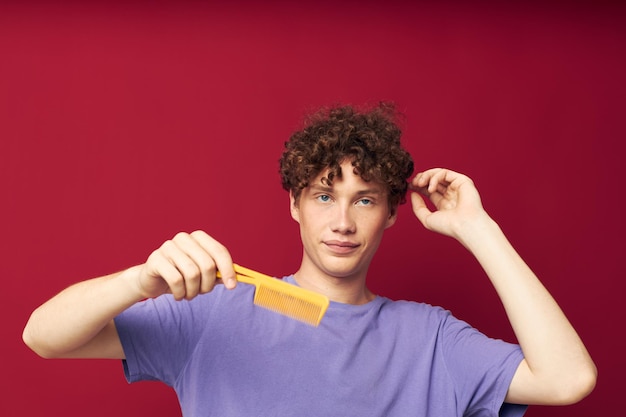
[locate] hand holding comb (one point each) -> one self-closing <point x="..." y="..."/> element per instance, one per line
<point x="284" y="298"/>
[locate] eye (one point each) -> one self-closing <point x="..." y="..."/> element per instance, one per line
<point x="324" y="198"/>
<point x="365" y="202"/>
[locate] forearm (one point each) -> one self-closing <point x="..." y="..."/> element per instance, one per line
<point x="74" y="317"/>
<point x="555" y="355"/>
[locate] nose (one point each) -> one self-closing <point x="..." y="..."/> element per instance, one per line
<point x="343" y="219"/>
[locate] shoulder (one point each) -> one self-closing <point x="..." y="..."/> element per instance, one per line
<point x="412" y="308"/>
<point x="413" y="314"/>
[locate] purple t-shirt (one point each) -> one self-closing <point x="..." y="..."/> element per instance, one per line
<point x="225" y="356"/>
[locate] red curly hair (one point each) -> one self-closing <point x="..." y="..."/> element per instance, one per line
<point x="369" y="138"/>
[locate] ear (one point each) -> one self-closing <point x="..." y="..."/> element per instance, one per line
<point x="393" y="216"/>
<point x="293" y="207"/>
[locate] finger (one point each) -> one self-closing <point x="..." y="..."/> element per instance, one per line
<point x="436" y="198"/>
<point x="187" y="269"/>
<point x="421" y="184"/>
<point x="439" y="181"/>
<point x="220" y="255"/>
<point x="420" y="209"/>
<point x="158" y="267"/>
<point x="415" y="183"/>
<point x="421" y="179"/>
<point x="204" y="280"/>
<point x="454" y="179"/>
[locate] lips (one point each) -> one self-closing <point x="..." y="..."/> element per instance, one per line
<point x="341" y="247"/>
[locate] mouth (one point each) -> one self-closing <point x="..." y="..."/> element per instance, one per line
<point x="341" y="247"/>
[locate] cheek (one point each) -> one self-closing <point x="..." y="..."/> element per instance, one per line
<point x="310" y="223"/>
<point x="377" y="225"/>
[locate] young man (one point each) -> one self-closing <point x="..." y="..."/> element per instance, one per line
<point x="346" y="174"/>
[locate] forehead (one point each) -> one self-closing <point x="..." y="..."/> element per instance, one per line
<point x="347" y="180"/>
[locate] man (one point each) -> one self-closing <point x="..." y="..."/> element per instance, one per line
<point x="346" y="174"/>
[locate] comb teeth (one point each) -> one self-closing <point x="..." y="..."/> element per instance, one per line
<point x="284" y="298"/>
<point x="307" y="307"/>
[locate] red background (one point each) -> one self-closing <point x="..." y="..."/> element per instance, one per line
<point x="122" y="124"/>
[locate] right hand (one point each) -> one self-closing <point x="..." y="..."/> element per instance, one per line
<point x="186" y="266"/>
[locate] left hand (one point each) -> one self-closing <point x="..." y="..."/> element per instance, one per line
<point x="455" y="197"/>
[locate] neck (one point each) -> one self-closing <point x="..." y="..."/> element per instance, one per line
<point x="346" y="290"/>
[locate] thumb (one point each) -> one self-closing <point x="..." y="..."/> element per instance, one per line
<point x="420" y="209"/>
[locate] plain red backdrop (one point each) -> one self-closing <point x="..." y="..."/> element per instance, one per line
<point x="123" y="123"/>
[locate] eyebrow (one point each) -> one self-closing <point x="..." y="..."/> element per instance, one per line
<point x="366" y="191"/>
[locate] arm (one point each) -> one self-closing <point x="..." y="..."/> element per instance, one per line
<point x="557" y="368"/>
<point x="78" y="322"/>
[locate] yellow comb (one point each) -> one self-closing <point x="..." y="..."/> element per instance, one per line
<point x="284" y="298"/>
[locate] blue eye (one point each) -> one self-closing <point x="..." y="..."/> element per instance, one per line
<point x="365" y="202"/>
<point x="324" y="198"/>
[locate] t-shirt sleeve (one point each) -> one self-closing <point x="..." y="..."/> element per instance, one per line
<point x="481" y="368"/>
<point x="157" y="336"/>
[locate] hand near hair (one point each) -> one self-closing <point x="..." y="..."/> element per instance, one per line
<point x="454" y="196"/>
<point x="556" y="368"/>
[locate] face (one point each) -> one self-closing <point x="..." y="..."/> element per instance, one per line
<point x="342" y="225"/>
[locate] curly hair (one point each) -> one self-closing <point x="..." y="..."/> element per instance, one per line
<point x="369" y="138"/>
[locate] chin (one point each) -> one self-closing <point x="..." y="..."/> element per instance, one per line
<point x="341" y="270"/>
